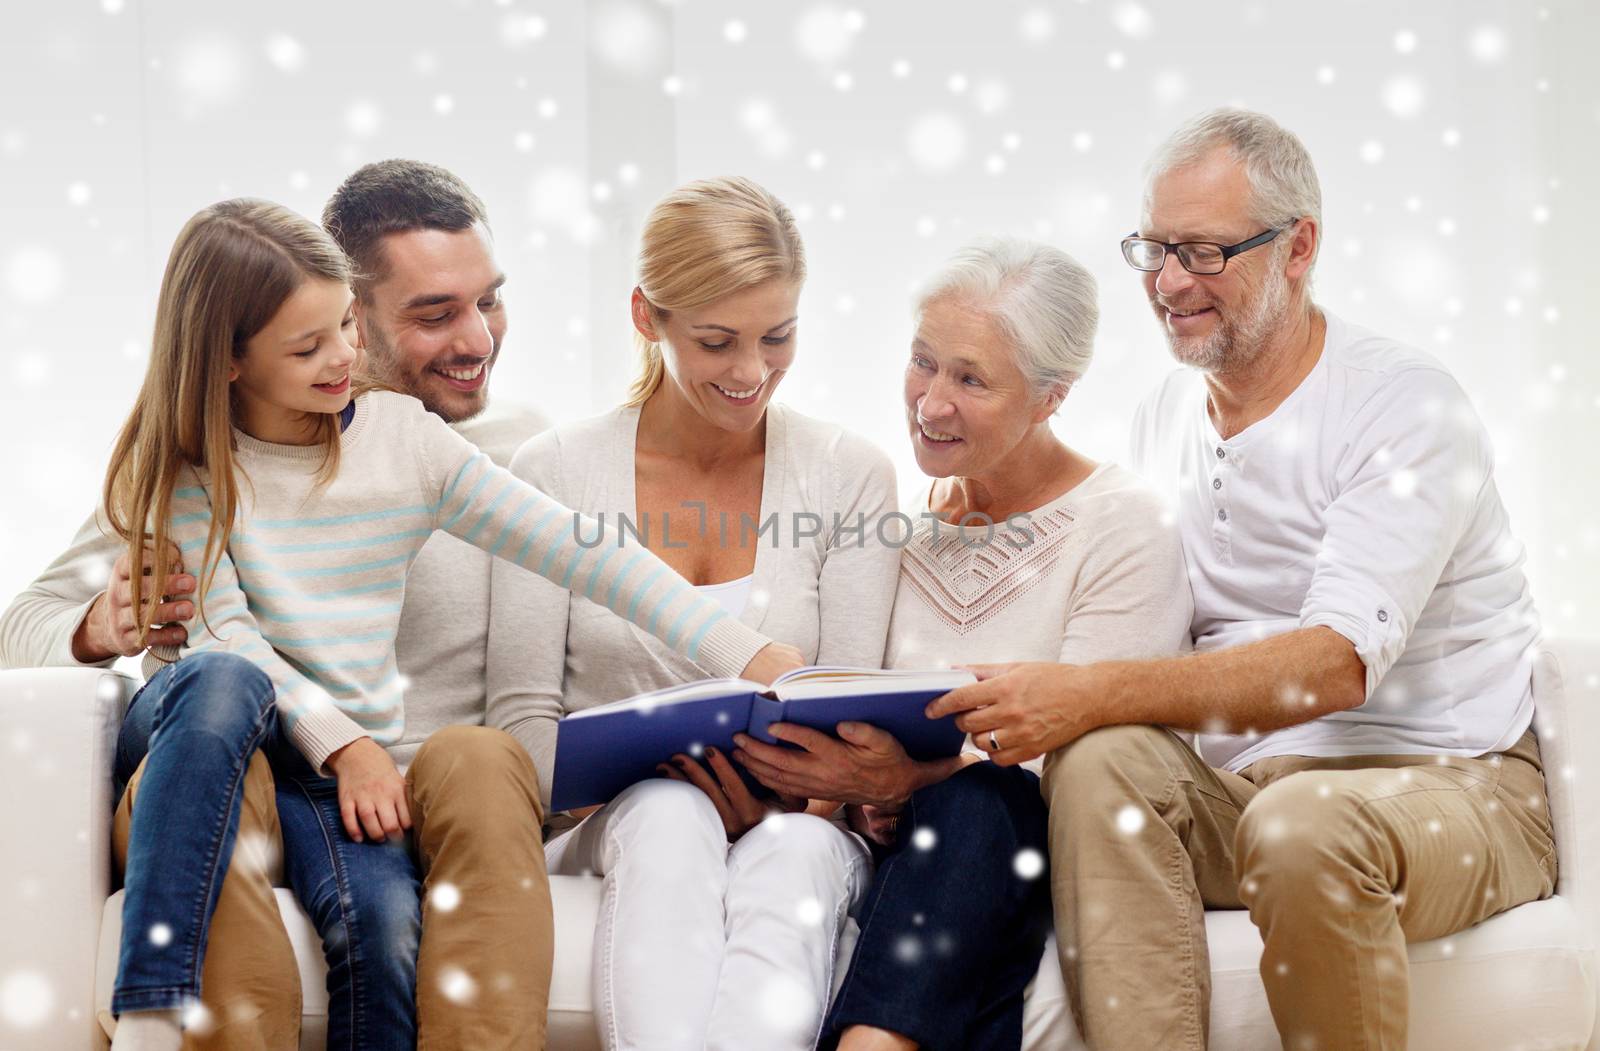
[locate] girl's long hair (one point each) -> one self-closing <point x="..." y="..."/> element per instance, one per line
<point x="231" y="269"/>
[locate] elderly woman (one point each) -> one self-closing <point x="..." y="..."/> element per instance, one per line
<point x="1077" y="567"/>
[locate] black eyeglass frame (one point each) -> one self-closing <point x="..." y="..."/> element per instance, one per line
<point x="1176" y="248"/>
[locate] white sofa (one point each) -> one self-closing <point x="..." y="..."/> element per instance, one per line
<point x="1524" y="979"/>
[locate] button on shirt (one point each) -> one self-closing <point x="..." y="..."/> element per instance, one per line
<point x="1365" y="503"/>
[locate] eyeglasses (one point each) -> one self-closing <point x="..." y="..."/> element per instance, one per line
<point x="1197" y="257"/>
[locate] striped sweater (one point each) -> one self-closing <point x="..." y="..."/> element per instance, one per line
<point x="310" y="587"/>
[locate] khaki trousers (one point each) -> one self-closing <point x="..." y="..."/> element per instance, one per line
<point x="250" y="986"/>
<point x="1341" y="862"/>
<point x="476" y="814"/>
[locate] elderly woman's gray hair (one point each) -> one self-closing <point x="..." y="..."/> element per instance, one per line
<point x="1042" y="299"/>
<point x="1283" y="181"/>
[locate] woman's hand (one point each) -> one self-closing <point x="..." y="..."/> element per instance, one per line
<point x="864" y="765"/>
<point x="740" y="811"/>
<point x="879" y="824"/>
<point x="1018" y="712"/>
<point x="372" y="794"/>
<point x="771" y="661"/>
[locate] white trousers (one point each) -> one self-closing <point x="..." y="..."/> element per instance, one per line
<point x="702" y="945"/>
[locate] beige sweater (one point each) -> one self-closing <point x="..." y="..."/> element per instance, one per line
<point x="824" y="595"/>
<point x="443" y="641"/>
<point x="1102" y="579"/>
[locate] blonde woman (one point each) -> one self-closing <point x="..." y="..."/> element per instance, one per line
<point x="718" y="929"/>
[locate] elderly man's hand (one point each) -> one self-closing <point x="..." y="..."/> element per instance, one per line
<point x="1018" y="712"/>
<point x="864" y="765"/>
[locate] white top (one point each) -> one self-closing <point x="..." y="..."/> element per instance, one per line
<point x="1366" y="503"/>
<point x="814" y="588"/>
<point x="733" y="595"/>
<point x="1099" y="577"/>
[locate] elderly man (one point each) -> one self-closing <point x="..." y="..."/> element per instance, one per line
<point x="432" y="319"/>
<point x="1364" y="774"/>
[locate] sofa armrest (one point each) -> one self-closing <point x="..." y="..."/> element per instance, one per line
<point x="58" y="735"/>
<point x="1566" y="687"/>
<point x="1566" y="690"/>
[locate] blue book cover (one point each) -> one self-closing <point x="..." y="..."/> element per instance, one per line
<point x="601" y="751"/>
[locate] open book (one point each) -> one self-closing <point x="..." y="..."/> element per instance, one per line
<point x="601" y="751"/>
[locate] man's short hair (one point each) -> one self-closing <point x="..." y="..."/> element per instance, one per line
<point x="391" y="197"/>
<point x="1283" y="180"/>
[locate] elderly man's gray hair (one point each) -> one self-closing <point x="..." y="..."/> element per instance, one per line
<point x="1283" y="181"/>
<point x="1042" y="299"/>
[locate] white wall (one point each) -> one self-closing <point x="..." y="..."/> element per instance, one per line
<point x="1457" y="142"/>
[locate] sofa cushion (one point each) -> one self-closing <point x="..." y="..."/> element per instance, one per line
<point x="1525" y="978"/>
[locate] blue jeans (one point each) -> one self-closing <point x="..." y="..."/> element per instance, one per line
<point x="366" y="902"/>
<point x="364" y="898"/>
<point x="954" y="924"/>
<point x="199" y="720"/>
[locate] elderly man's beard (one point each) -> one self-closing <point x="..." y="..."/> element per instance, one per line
<point x="1234" y="344"/>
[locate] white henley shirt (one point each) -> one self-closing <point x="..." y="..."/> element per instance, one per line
<point x="1365" y="503"/>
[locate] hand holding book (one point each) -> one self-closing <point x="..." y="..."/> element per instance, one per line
<point x="771" y="662"/>
<point x="601" y="751"/>
<point x="738" y="807"/>
<point x="863" y="765"/>
<point x="880" y="825"/>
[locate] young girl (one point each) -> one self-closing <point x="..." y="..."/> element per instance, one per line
<point x="298" y="501"/>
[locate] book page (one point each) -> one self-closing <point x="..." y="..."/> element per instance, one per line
<point x="828" y="682"/>
<point x="690" y="691"/>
